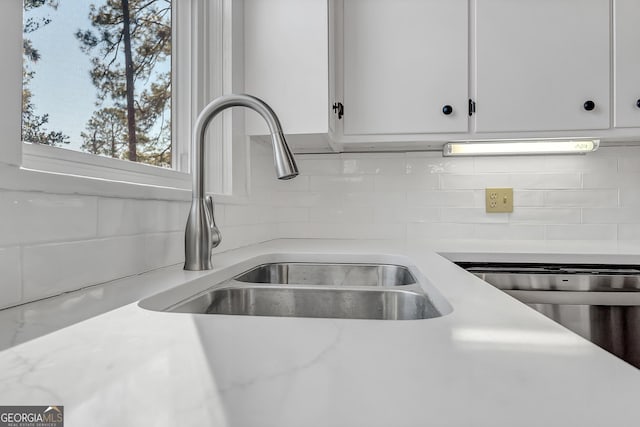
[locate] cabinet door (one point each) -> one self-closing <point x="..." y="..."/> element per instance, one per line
<point x="286" y="63"/>
<point x="627" y="63"/>
<point x="404" y="61"/>
<point x="538" y="63"/>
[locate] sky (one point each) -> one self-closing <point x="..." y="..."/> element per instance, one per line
<point x="62" y="87"/>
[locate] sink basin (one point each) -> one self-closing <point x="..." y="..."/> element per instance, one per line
<point x="299" y="301"/>
<point x="321" y="274"/>
<point x="284" y="288"/>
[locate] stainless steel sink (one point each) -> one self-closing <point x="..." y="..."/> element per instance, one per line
<point x="318" y="274"/>
<point x="298" y="301"/>
<point x="308" y="289"/>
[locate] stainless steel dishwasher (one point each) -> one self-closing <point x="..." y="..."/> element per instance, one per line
<point x="599" y="302"/>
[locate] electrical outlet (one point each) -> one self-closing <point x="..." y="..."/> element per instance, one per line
<point x="499" y="200"/>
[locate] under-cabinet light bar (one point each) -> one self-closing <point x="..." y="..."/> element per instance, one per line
<point x="519" y="147"/>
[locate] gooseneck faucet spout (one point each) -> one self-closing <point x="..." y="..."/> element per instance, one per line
<point x="201" y="234"/>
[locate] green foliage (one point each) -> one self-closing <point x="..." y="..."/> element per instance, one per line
<point x="32" y="24"/>
<point x="140" y="92"/>
<point x="106" y="133"/>
<point x="33" y="125"/>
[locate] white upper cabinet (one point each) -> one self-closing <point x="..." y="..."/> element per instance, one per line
<point x="404" y="66"/>
<point x="404" y="71"/>
<point x="627" y="63"/>
<point x="285" y="62"/>
<point x="543" y="65"/>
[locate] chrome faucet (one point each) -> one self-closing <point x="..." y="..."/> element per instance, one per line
<point x="202" y="234"/>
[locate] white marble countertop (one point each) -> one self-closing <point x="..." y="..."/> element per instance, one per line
<point x="490" y="362"/>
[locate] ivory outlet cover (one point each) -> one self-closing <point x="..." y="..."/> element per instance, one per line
<point x="499" y="200"/>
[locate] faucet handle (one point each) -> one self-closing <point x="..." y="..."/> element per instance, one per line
<point x="216" y="237"/>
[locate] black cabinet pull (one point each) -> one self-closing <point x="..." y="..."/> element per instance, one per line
<point x="447" y="109"/>
<point x="638" y="103"/>
<point x="589" y="105"/>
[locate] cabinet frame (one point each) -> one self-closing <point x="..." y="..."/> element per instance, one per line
<point x="427" y="141"/>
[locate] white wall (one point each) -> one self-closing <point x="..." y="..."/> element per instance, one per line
<point x="53" y="243"/>
<point x="425" y="196"/>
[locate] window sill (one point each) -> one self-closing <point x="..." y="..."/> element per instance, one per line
<point x="13" y="178"/>
<point x="60" y="171"/>
<point x="64" y="161"/>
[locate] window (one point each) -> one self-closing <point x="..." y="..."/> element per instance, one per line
<point x="75" y="104"/>
<point x="97" y="77"/>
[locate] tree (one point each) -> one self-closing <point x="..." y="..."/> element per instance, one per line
<point x="128" y="40"/>
<point x="33" y="125"/>
<point x="106" y="133"/>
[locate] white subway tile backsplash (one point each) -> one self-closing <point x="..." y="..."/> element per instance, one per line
<point x="519" y="181"/>
<point x="55" y="243"/>
<point x="426" y="231"/>
<point x="475" y="231"/>
<point x="292" y="214"/>
<point x="544" y="164"/>
<point x="441" y="198"/>
<point x="526" y="198"/>
<point x="373" y="166"/>
<point x="11" y="283"/>
<point x="508" y="232"/>
<point x="244" y="235"/>
<point x="342" y="183"/>
<point x="422" y="214"/>
<point x="611" y="180"/>
<point x="474" y="181"/>
<point x="472" y="216"/>
<point x="611" y="216"/>
<point x="546" y="216"/>
<point x="126" y="217"/>
<point x="581" y="232"/>
<point x="319" y="165"/>
<point x="630" y="163"/>
<point x="580" y="163"/>
<point x="220" y="214"/>
<point x="290" y="198"/>
<point x="36" y="217"/>
<point x="54" y="268"/>
<point x="510" y="164"/>
<point x="391" y="198"/>
<point x="382" y="156"/>
<point x="530" y="181"/>
<point x="432" y="164"/>
<point x="248" y="214"/>
<point x="269" y="183"/>
<point x="390" y="214"/>
<point x="300" y="183"/>
<point x="582" y="198"/>
<point x="406" y="182"/>
<point x="333" y="214"/>
<point x="630" y="197"/>
<point x="600" y="180"/>
<point x="629" y="232"/>
<point x="341" y="231"/>
<point x="163" y="249"/>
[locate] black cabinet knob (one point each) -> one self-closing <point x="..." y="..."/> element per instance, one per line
<point x="589" y="105"/>
<point x="447" y="109"/>
<point x="638" y="103"/>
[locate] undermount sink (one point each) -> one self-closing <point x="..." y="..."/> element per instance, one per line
<point x="320" y="290"/>
<point x="297" y="301"/>
<point x="318" y="274"/>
